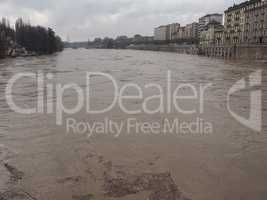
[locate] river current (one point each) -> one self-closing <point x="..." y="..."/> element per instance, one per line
<point x="219" y="158"/>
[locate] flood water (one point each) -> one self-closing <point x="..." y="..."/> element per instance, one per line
<point x="42" y="160"/>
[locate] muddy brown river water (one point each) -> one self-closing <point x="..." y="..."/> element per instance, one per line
<point x="218" y="159"/>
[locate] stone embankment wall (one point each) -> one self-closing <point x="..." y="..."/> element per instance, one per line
<point x="182" y="49"/>
<point x="254" y="52"/>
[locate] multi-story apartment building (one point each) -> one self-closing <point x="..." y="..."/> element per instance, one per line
<point x="191" y="30"/>
<point x="234" y="23"/>
<point x="180" y="35"/>
<point x="173" y="29"/>
<point x="161" y="33"/>
<point x="255" y="30"/>
<point x="219" y="36"/>
<point x="246" y="23"/>
<point x="205" y="20"/>
<point x="167" y="32"/>
<point x="213" y="35"/>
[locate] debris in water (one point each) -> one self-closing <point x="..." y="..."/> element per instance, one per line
<point x="16" y="194"/>
<point x="9" y="195"/>
<point x="84" y="197"/>
<point x="74" y="179"/>
<point x="15" y="173"/>
<point x="161" y="185"/>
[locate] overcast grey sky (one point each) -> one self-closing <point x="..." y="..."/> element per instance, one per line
<point x="83" y="19"/>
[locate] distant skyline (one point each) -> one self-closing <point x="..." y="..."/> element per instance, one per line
<point x="87" y="19"/>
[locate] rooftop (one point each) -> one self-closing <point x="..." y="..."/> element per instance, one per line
<point x="242" y="5"/>
<point x="214" y="14"/>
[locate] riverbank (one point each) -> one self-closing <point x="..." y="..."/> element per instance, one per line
<point x="240" y="52"/>
<point x="182" y="49"/>
<point x="17" y="51"/>
<point x="27" y="40"/>
<point x="14" y="50"/>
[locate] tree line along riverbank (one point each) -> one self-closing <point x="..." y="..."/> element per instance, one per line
<point x="27" y="40"/>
